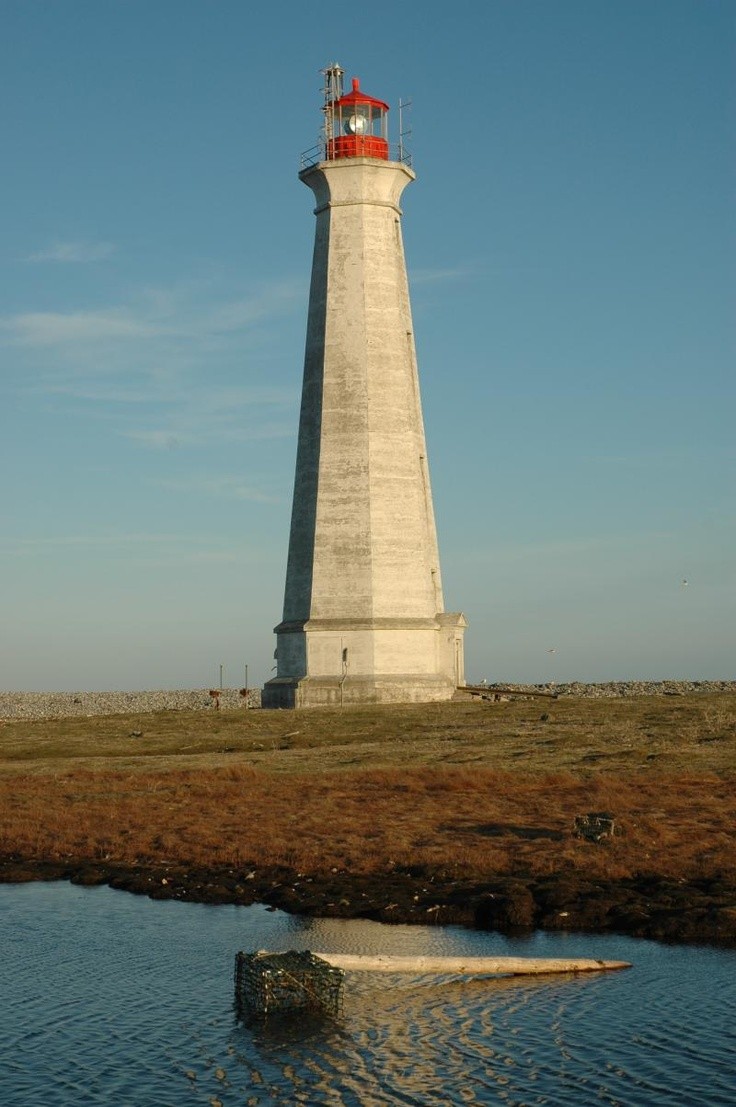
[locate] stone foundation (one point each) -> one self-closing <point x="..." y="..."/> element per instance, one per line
<point x="288" y="692"/>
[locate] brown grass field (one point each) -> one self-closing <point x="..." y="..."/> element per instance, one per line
<point x="471" y="790"/>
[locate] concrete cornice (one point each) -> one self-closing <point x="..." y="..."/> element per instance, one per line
<point x="359" y="624"/>
<point x="356" y="203"/>
<point x="347" y="181"/>
<point x="349" y="163"/>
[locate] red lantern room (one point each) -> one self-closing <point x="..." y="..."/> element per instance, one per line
<point x="356" y="124"/>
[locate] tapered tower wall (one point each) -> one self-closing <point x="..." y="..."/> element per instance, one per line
<point x="363" y="610"/>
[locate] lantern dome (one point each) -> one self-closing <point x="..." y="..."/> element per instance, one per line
<point x="357" y="125"/>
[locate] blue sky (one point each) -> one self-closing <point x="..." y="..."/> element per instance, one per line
<point x="570" y="241"/>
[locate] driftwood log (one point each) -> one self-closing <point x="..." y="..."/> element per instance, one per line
<point x="468" y="966"/>
<point x="486" y="692"/>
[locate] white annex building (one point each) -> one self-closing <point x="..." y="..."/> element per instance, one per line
<point x="364" y="619"/>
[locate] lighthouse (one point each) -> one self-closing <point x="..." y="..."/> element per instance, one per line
<point x="363" y="618"/>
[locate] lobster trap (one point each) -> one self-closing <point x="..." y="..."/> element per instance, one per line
<point x="269" y="983"/>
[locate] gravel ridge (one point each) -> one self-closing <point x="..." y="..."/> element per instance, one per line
<point x="57" y="705"/>
<point x="621" y="688"/>
<point x="66" y="705"/>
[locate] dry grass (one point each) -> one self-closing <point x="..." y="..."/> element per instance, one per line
<point x="468" y="788"/>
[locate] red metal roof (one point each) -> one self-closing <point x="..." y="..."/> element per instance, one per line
<point x="358" y="97"/>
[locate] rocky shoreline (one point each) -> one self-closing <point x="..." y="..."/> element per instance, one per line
<point x="63" y="705"/>
<point x="652" y="907"/>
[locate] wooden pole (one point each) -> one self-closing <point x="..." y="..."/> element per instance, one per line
<point x="487" y="692"/>
<point x="468" y="966"/>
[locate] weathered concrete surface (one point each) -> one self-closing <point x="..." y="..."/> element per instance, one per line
<point x="363" y="610"/>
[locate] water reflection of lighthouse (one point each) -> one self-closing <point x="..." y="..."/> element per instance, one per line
<point x="363" y="609"/>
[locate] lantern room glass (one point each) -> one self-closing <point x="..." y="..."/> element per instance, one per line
<point x="358" y="119"/>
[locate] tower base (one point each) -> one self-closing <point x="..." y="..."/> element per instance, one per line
<point x="334" y="662"/>
<point x="333" y="691"/>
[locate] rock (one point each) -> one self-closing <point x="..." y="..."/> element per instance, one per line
<point x="595" y="826"/>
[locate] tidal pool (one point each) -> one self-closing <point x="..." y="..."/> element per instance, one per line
<point x="109" y="998"/>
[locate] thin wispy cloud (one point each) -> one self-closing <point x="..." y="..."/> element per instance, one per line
<point x="223" y="487"/>
<point x="682" y="457"/>
<point x="102" y="392"/>
<point x="150" y="549"/>
<point x="200" y="413"/>
<point x="180" y="313"/>
<point x="434" y="276"/>
<point x="183" y="558"/>
<point x="158" y="439"/>
<point x="193" y="429"/>
<point x="74" y="252"/>
<point x="46" y="328"/>
<point x="160" y="368"/>
<point x="244" y="312"/>
<point x="135" y="538"/>
<point x="567" y="550"/>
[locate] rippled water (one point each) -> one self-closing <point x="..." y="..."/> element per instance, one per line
<point x="111" y="998"/>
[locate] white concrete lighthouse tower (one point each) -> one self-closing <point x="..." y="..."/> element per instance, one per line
<point x="363" y="619"/>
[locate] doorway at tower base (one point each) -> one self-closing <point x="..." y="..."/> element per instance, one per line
<point x="339" y="662"/>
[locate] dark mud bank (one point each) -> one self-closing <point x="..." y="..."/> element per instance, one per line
<point x="648" y="907"/>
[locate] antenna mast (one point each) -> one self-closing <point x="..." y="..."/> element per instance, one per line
<point x="332" y="90"/>
<point x="404" y="154"/>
